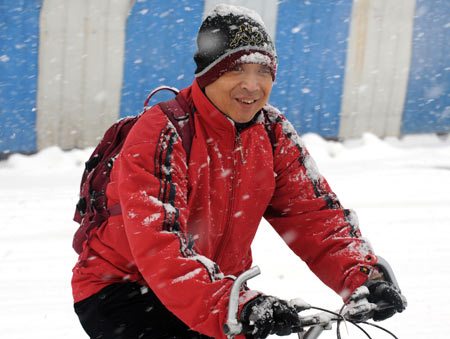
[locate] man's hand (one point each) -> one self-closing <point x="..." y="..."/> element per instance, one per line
<point x="383" y="291"/>
<point x="266" y="315"/>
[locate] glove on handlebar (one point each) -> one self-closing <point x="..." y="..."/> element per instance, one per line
<point x="381" y="290"/>
<point x="266" y="315"/>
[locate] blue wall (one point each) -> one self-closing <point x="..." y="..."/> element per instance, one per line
<point x="427" y="106"/>
<point x="311" y="38"/>
<point x="311" y="42"/>
<point x="160" y="44"/>
<point x="19" y="33"/>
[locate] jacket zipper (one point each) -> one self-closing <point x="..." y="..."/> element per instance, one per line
<point x="226" y="232"/>
<point x="239" y="142"/>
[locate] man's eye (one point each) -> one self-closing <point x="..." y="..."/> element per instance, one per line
<point x="265" y="70"/>
<point x="237" y="69"/>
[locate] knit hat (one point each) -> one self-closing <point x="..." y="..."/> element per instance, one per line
<point x="229" y="36"/>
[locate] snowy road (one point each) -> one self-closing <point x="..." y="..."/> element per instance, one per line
<point x="400" y="190"/>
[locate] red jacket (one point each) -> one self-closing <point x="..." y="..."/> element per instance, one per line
<point x="186" y="230"/>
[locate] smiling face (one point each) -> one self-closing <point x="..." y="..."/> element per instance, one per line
<point x="241" y="92"/>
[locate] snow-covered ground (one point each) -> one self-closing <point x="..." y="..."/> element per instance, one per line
<point x="399" y="188"/>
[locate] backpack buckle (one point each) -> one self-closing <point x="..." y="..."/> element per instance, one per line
<point x="94" y="195"/>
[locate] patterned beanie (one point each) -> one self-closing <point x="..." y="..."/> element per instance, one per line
<point x="229" y="36"/>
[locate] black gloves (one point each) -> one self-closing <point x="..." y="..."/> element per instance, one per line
<point x="266" y="315"/>
<point x="383" y="291"/>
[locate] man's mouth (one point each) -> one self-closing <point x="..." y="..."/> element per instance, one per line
<point x="247" y="101"/>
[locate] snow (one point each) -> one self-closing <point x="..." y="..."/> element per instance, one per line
<point x="255" y="58"/>
<point x="399" y="189"/>
<point x="225" y="10"/>
<point x="187" y="276"/>
<point x="299" y="303"/>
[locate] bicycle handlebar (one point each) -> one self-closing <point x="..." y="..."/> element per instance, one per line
<point x="317" y="323"/>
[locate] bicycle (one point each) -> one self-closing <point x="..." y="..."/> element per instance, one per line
<point x="356" y="311"/>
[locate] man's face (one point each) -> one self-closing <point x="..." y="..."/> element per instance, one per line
<point x="241" y="92"/>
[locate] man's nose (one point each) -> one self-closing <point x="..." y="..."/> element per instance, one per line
<point x="250" y="82"/>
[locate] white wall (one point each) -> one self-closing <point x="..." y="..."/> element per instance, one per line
<point x="80" y="70"/>
<point x="377" y="67"/>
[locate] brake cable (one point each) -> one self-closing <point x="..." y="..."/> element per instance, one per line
<point x="340" y="317"/>
<point x="380" y="328"/>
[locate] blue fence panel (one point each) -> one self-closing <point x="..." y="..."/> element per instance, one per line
<point x="160" y="45"/>
<point x="311" y="41"/>
<point x="427" y="106"/>
<point x="19" y="36"/>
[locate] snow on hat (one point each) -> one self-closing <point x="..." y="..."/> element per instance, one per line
<point x="232" y="35"/>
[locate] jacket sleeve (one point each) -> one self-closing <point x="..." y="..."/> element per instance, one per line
<point x="153" y="194"/>
<point x="310" y="219"/>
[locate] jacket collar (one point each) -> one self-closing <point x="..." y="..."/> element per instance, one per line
<point x="213" y="119"/>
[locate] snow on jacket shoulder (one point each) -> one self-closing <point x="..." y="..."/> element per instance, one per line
<point x="186" y="229"/>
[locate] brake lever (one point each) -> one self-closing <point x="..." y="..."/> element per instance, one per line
<point x="388" y="272"/>
<point x="389" y="276"/>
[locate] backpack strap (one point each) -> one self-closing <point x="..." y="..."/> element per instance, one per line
<point x="270" y="132"/>
<point x="177" y="110"/>
<point x="181" y="115"/>
<point x="156" y="90"/>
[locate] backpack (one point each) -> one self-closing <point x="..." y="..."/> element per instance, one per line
<point x="91" y="210"/>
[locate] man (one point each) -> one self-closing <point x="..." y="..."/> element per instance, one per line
<point x="163" y="268"/>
